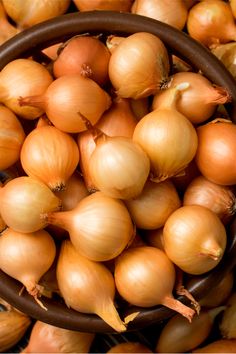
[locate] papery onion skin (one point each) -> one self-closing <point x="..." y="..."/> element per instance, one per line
<point x="30" y="13"/>
<point x="22" y="200"/>
<point x="218" y="346"/>
<point x="116" y="5"/>
<point x="129" y="347"/>
<point x="12" y="136"/>
<point x="87" y="286"/>
<point x="119" y="167"/>
<point x="84" y="55"/>
<point x="46" y="338"/>
<point x="26" y="257"/>
<point x="194" y="239"/>
<point x="173" y="13"/>
<point x="50" y="155"/>
<point x="21" y="77"/>
<point x="169" y="140"/>
<point x="139" y="66"/>
<point x="211" y="22"/>
<point x="100" y="227"/>
<point x="150" y="209"/>
<point x="66" y="98"/>
<point x="145" y="277"/>
<point x="220" y="199"/>
<point x="215" y="156"/>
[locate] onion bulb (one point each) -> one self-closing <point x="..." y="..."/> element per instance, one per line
<point x="168" y="138"/>
<point x="215" y="157"/>
<point x="145" y="277"/>
<point x="211" y="22"/>
<point x="100" y="227"/>
<point x="45" y="338"/>
<point x="228" y="320"/>
<point x="154" y="205"/>
<point x="199" y="101"/>
<point x="22" y="200"/>
<point x="12" y="137"/>
<point x="68" y="96"/>
<point x="87" y="286"/>
<point x="232" y="4"/>
<point x="218" y="346"/>
<point x="26" y="257"/>
<point x="21" y="77"/>
<point x="30" y="13"/>
<point x="220" y="199"/>
<point x="116" y="5"/>
<point x="50" y="155"/>
<point x="84" y="55"/>
<point x="139" y="65"/>
<point x="118" y="120"/>
<point x="173" y="13"/>
<point x="7" y="29"/>
<point x="227" y="55"/>
<point x="194" y="239"/>
<point x="180" y="336"/>
<point x="129" y="347"/>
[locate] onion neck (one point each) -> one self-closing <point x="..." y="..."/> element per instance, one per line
<point x="212" y="250"/>
<point x="60" y="219"/>
<point x="109" y="314"/>
<point x="96" y="133"/>
<point x="171" y="96"/>
<point x="177" y="306"/>
<point x="39" y="101"/>
<point x="217" y="95"/>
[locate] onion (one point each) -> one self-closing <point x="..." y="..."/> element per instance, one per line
<point x="113" y="41"/>
<point x="84" y="55"/>
<point x="53" y="157"/>
<point x="182" y="180"/>
<point x="68" y="96"/>
<point x="129" y="347"/>
<point x="26" y="257"/>
<point x="194" y="239"/>
<point x="220" y="199"/>
<point x="116" y="5"/>
<point x="211" y="22"/>
<point x="173" y="13"/>
<point x="22" y="200"/>
<point x="140" y="107"/>
<point x="180" y="336"/>
<point x="227" y="54"/>
<point x="232" y="4"/>
<point x="87" y="286"/>
<point x="11" y="138"/>
<point x="168" y="138"/>
<point x="7" y="29"/>
<point x="139" y="66"/>
<point x="228" y="321"/>
<point x="218" y="346"/>
<point x="199" y="101"/>
<point x="100" y="227"/>
<point x="119" y="120"/>
<point x="154" y="205"/>
<point x="145" y="277"/>
<point x="215" y="157"/>
<point x="30" y="12"/>
<point x="21" y="77"/>
<point x="45" y="338"/>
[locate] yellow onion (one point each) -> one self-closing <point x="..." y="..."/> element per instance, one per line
<point x="68" y="97"/>
<point x="50" y="155"/>
<point x="100" y="227"/>
<point x="22" y="200"/>
<point x="194" y="239"/>
<point x="87" y="286"/>
<point x="145" y="277"/>
<point x="11" y="138"/>
<point x="26" y="257"/>
<point x="168" y="138"/>
<point x="232" y="4"/>
<point x="139" y="65"/>
<point x="228" y="320"/>
<point x="29" y="13"/>
<point x="129" y="347"/>
<point x="7" y="29"/>
<point x="227" y="54"/>
<point x="116" y="5"/>
<point x="174" y="13"/>
<point x="21" y="77"/>
<point x="45" y="338"/>
<point x="151" y="208"/>
<point x="218" y="346"/>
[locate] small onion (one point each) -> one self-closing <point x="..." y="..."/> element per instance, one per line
<point x="139" y="65"/>
<point x="194" y="239"/>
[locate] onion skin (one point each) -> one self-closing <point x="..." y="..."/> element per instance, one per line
<point x="116" y="5"/>
<point x="194" y="239"/>
<point x="22" y="200"/>
<point x="220" y="199"/>
<point x="12" y="136"/>
<point x="87" y="286"/>
<point x="129" y="347"/>
<point x="53" y="157"/>
<point x="219" y="346"/>
<point x="45" y="338"/>
<point x="7" y="29"/>
<point x="215" y="156"/>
